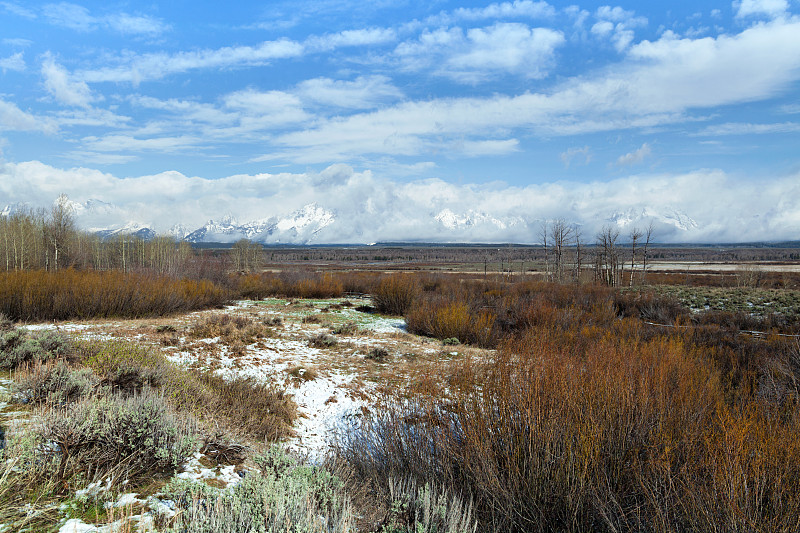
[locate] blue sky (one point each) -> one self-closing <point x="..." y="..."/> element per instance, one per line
<point x="517" y="111"/>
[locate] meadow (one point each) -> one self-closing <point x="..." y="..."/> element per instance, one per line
<point x="446" y="401"/>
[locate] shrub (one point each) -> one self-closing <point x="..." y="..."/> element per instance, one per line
<point x="230" y="328"/>
<point x="260" y="409"/>
<point x="395" y="294"/>
<point x="302" y="373"/>
<point x="68" y="294"/>
<point x="588" y="422"/>
<point x="377" y="354"/>
<point x="347" y="328"/>
<point x="6" y="324"/>
<point x="56" y="383"/>
<point x="139" y="433"/>
<point x="289" y="497"/>
<point x="322" y="340"/>
<point x="425" y="510"/>
<point x="19" y="346"/>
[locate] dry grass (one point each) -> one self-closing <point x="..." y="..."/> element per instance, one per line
<point x="231" y="329"/>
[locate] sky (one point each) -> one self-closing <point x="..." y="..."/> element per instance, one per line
<point x="438" y="120"/>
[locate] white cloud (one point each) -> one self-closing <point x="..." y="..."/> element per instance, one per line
<point x="70" y="16"/>
<point x="480" y="53"/>
<point x="18" y="10"/>
<point x="661" y="83"/>
<point x="617" y="24"/>
<point x="365" y="92"/>
<point x="138" y="68"/>
<point x="78" y="18"/>
<point x="98" y="158"/>
<point x="135" y="24"/>
<point x="368" y="208"/>
<point x="13" y="62"/>
<point x="64" y="87"/>
<point x="12" y="118"/>
<point x="127" y="143"/>
<point x="18" y="42"/>
<point x="582" y="155"/>
<point x="635" y="157"/>
<point x="505" y="10"/>
<point x="770" y="8"/>
<point x="490" y="147"/>
<point x="747" y="128"/>
<point x="268" y="108"/>
<point x="362" y="37"/>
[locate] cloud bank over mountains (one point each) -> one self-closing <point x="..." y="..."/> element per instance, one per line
<point x="340" y="205"/>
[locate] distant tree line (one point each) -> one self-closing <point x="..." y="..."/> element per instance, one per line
<point x="50" y="240"/>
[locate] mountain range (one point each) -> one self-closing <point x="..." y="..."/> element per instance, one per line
<point x="314" y="224"/>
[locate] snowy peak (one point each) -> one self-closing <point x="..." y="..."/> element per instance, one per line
<point x="133" y="229"/>
<point x="641" y="216"/>
<point x="12" y="209"/>
<point x="299" y="227"/>
<point x="310" y="217"/>
<point x="451" y="220"/>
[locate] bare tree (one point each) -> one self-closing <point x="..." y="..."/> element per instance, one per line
<point x="543" y="237"/>
<point x="578" y="256"/>
<point x="560" y="236"/>
<point x="648" y="234"/>
<point x="247" y="255"/>
<point x="635" y="235"/>
<point x="607" y="263"/>
<point x="58" y="229"/>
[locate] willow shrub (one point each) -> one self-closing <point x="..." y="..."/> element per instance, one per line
<point x="72" y="294"/>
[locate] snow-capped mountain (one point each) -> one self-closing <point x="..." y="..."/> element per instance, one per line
<point x="451" y="220"/>
<point x="91" y="207"/>
<point x="11" y="209"/>
<point x="642" y="216"/>
<point x="299" y="227"/>
<point x="179" y="231"/>
<point x="134" y="229"/>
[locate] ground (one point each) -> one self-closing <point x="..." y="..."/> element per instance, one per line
<point x="336" y="376"/>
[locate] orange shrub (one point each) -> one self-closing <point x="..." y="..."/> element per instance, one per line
<point x="395" y="294"/>
<point x="69" y="294"/>
<point x="591" y="421"/>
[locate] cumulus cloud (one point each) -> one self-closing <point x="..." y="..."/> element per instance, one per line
<point x="479" y="53"/>
<point x="361" y="37"/>
<point x="64" y="87"/>
<point x="770" y="8"/>
<point x="618" y="25"/>
<point x="368" y="208"/>
<point x="267" y="108"/>
<point x="635" y="157"/>
<point x="13" y="62"/>
<point x="660" y="83"/>
<point x="497" y="10"/>
<point x="365" y="92"/>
